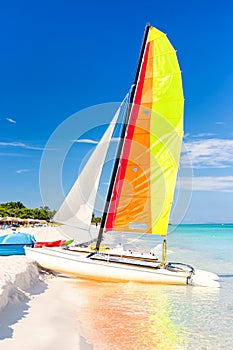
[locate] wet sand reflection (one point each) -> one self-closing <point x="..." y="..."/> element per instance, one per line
<point x="127" y="316"/>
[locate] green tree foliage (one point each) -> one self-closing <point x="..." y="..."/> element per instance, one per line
<point x="95" y="219"/>
<point x="12" y="205"/>
<point x="18" y="210"/>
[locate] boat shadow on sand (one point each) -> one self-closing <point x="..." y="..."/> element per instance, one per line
<point x="18" y="308"/>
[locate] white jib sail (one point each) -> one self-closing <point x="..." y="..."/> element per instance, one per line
<point x="77" y="209"/>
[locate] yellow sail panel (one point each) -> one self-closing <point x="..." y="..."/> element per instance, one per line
<point x="144" y="186"/>
<point x="166" y="128"/>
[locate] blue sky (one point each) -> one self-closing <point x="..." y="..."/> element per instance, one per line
<point x="58" y="57"/>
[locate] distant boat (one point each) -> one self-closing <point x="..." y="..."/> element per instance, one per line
<point x="14" y="243"/>
<point x="142" y="184"/>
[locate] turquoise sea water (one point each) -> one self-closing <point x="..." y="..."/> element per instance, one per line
<point x="121" y="316"/>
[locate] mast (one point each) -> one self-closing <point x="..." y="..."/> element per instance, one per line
<point x="121" y="143"/>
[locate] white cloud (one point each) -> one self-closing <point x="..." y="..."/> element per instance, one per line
<point x="7" y="154"/>
<point x="20" y="171"/>
<point x="209" y="153"/>
<point x="186" y="136"/>
<point x="11" y="120"/>
<point x="207" y="183"/>
<point x="203" y="134"/>
<point x="220" y="123"/>
<point x="85" y="141"/>
<point x="20" y="145"/>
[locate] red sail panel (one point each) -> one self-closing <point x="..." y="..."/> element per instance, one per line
<point x="129" y="203"/>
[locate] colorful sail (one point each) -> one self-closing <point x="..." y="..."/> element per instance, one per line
<point x="144" y="185"/>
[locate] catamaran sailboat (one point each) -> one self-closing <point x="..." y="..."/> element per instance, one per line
<point x="142" y="183"/>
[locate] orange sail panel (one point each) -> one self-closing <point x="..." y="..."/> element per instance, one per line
<point x="144" y="186"/>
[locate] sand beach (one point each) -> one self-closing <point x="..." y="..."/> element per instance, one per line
<point x="35" y="311"/>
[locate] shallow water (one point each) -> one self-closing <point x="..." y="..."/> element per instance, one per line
<point x="136" y="316"/>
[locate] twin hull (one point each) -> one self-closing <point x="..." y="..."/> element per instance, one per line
<point x="81" y="266"/>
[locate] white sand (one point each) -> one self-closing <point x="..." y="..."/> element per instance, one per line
<point x="16" y="274"/>
<point x="44" y="320"/>
<point x="36" y="312"/>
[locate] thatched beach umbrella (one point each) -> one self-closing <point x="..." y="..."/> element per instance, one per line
<point x="15" y="220"/>
<point x="20" y="220"/>
<point x="7" y="219"/>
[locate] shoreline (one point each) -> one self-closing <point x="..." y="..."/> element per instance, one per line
<point x="63" y="312"/>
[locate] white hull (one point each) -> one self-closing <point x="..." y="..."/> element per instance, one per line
<point x="79" y="265"/>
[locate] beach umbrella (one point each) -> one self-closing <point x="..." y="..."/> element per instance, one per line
<point x="14" y="219"/>
<point x="7" y="219"/>
<point x="29" y="220"/>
